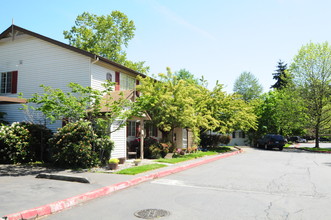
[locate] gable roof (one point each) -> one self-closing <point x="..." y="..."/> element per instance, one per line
<point x="14" y="30"/>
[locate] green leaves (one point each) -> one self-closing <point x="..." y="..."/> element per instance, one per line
<point x="82" y="103"/>
<point x="105" y="35"/>
<point x="174" y="102"/>
<point x="312" y="75"/>
<point x="248" y="86"/>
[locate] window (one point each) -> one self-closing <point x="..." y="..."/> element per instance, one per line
<point x="131" y="129"/>
<point x="109" y="77"/>
<point x="8" y="82"/>
<point x="151" y="130"/>
<point x="241" y="134"/>
<point x="127" y="82"/>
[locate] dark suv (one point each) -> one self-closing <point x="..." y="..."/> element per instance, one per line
<point x="271" y="141"/>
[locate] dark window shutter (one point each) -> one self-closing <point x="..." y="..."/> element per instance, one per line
<point x="14" y="82"/>
<point x="147" y="128"/>
<point x="137" y="129"/>
<point x="137" y="83"/>
<point x="234" y="134"/>
<point x="127" y="128"/>
<point x="155" y="130"/>
<point x="117" y="81"/>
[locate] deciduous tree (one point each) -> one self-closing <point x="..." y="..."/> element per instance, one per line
<point x="248" y="86"/>
<point x="312" y="74"/>
<point x="105" y="36"/>
<point x="171" y="103"/>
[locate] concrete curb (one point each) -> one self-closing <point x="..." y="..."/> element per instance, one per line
<point x="73" y="201"/>
<point x="63" y="177"/>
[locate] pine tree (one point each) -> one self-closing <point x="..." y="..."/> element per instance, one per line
<point x="280" y="75"/>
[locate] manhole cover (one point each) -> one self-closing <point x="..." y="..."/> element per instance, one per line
<point x="151" y="213"/>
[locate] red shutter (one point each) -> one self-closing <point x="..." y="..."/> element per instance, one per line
<point x="117" y="81"/>
<point x="137" y="130"/>
<point x="14" y="82"/>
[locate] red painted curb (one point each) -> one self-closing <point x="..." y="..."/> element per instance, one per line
<point x="70" y="202"/>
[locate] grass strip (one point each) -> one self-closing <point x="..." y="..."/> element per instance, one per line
<point x="317" y="149"/>
<point x="140" y="169"/>
<point x="288" y="145"/>
<point x="191" y="156"/>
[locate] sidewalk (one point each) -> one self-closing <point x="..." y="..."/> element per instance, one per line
<point x="25" y="196"/>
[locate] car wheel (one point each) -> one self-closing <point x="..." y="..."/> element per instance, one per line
<point x="280" y="148"/>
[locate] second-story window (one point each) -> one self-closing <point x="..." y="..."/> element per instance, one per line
<point x="109" y="77"/>
<point x="127" y="82"/>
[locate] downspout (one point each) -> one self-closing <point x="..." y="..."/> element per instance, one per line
<point x="90" y="74"/>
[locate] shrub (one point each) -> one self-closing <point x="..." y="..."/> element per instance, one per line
<point x="154" y="152"/>
<point x="213" y="140"/>
<point x="14" y="143"/>
<point x="38" y="144"/>
<point x="72" y="145"/>
<point x="224" y="139"/>
<point x="159" y="150"/>
<point x="103" y="146"/>
<point x="113" y="160"/>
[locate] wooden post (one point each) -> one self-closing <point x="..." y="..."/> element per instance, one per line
<point x="142" y="134"/>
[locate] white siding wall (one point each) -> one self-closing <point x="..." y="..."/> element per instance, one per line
<point x="39" y="62"/>
<point x="119" y="138"/>
<point x="98" y="76"/>
<point x="238" y="141"/>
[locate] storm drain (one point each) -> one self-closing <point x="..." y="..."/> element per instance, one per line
<point x="151" y="213"/>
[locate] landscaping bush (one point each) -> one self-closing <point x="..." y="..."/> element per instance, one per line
<point x="103" y="146"/>
<point x="148" y="150"/>
<point x="159" y="150"/>
<point x="38" y="143"/>
<point x="73" y="146"/>
<point x="152" y="148"/>
<point x="224" y="139"/>
<point x="14" y="144"/>
<point x="213" y="140"/>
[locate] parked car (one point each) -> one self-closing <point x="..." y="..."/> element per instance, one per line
<point x="297" y="139"/>
<point x="323" y="139"/>
<point x="270" y="141"/>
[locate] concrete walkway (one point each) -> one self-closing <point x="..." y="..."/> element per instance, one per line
<point x="29" y="197"/>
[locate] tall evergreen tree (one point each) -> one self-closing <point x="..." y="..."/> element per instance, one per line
<point x="280" y="75"/>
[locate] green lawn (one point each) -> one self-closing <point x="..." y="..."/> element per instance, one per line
<point x="317" y="149"/>
<point x="288" y="145"/>
<point x="140" y="169"/>
<point x="191" y="156"/>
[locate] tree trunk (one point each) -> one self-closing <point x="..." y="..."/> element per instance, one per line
<point x="317" y="141"/>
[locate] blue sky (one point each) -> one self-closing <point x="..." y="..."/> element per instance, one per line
<point x="215" y="38"/>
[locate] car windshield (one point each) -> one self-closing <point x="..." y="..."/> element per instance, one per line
<point x="277" y="137"/>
